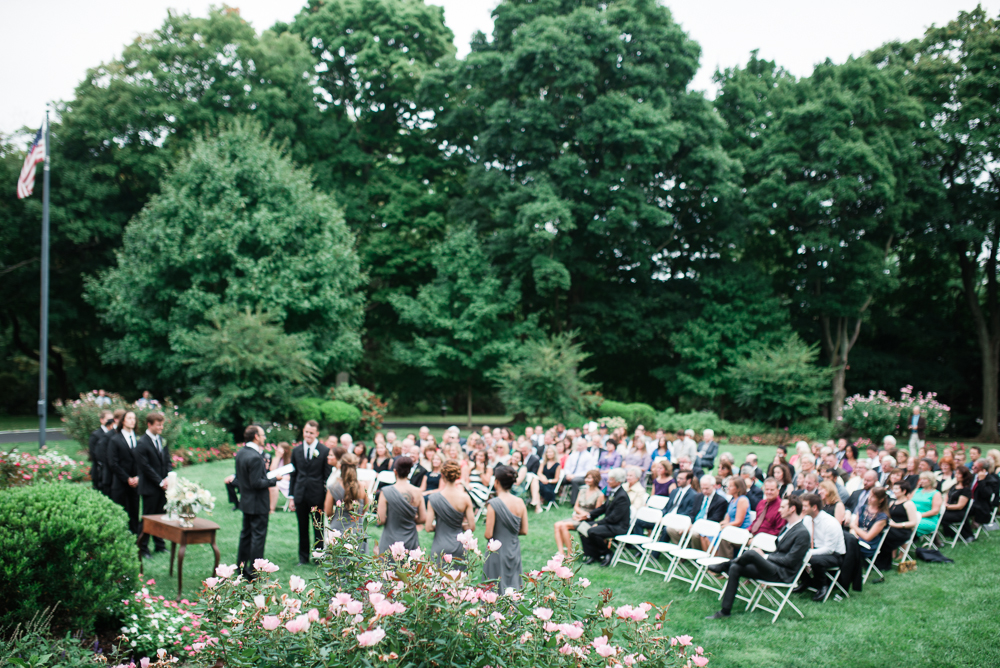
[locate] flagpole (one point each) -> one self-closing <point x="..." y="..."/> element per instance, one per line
<point x="43" y="344"/>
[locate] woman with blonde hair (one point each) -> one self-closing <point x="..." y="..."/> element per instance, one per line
<point x="589" y="498"/>
<point x="832" y="505"/>
<point x="449" y="512"/>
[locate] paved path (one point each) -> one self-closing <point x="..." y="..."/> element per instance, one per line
<point x="31" y="436"/>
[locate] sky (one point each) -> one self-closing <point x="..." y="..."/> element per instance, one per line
<point x="48" y="45"/>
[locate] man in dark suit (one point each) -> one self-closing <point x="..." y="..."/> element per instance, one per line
<point x="255" y="500"/>
<point x="782" y="565"/>
<point x="615" y="523"/>
<point x="755" y="491"/>
<point x="710" y="504"/>
<point x="124" y="466"/>
<point x="95" y="448"/>
<point x="103" y="448"/>
<point x="308" y="487"/>
<point x="154" y="465"/>
<point x="985" y="492"/>
<point x="859" y="497"/>
<point x="708" y="449"/>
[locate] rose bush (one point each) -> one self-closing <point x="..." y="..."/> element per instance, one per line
<point x="155" y="623"/>
<point x="22" y="468"/>
<point x="402" y="609"/>
<point x="878" y="415"/>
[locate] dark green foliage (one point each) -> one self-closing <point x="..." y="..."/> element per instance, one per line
<point x="65" y="544"/>
<point x="339" y="416"/>
<point x="546" y="380"/>
<point x="634" y="414"/>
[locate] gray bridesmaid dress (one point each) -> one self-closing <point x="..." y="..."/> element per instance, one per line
<point x="448" y="526"/>
<point x="400" y="521"/>
<point x="342" y="520"/>
<point x="504" y="564"/>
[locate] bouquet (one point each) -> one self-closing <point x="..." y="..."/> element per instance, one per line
<point x="187" y="499"/>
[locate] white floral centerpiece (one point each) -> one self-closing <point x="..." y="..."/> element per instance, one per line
<point x="187" y="499"/>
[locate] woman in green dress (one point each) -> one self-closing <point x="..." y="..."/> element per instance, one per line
<point x="928" y="502"/>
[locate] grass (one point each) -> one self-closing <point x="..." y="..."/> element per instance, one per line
<point x="15" y="422"/>
<point x="938" y="615"/>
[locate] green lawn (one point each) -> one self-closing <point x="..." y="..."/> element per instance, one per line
<point x="939" y="615"/>
<point x="14" y="422"/>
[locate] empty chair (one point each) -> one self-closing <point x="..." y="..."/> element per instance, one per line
<point x="679" y="559"/>
<point x="647" y="514"/>
<point x="653" y="550"/>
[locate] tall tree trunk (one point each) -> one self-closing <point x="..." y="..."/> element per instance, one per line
<point x="468" y="407"/>
<point x="987" y="327"/>
<point x="838" y="347"/>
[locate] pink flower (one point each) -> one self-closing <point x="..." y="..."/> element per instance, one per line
<point x="684" y="640"/>
<point x="493" y="545"/>
<point x="496" y="617"/>
<point x="398" y="551"/>
<point x="370" y="638"/>
<point x="583" y="582"/>
<point x="606" y="650"/>
<point x="544" y="614"/>
<point x="447" y="558"/>
<point x="224" y="571"/>
<point x="416" y="555"/>
<point x="375" y="599"/>
<point x="550" y="627"/>
<point x="489" y="596"/>
<point x="211" y="582"/>
<point x="354" y="607"/>
<point x="563" y="572"/>
<point x="260" y="602"/>
<point x="270" y="622"/>
<point x="700" y="661"/>
<point x="144" y="662"/>
<point x="373" y="587"/>
<point x="386" y="608"/>
<point x="161" y="654"/>
<point x="525" y="637"/>
<point x="566" y="649"/>
<point x="300" y="623"/>
<point x="571" y="631"/>
<point x="264" y="565"/>
<point x="699" y="650"/>
<point x="468" y="540"/>
<point x="296" y="583"/>
<point x="607" y="612"/>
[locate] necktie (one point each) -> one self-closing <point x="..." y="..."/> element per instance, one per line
<point x="159" y="448"/>
<point x="758" y="521"/>
<point x="131" y="442"/>
<point x="704" y="509"/>
<point x="680" y="495"/>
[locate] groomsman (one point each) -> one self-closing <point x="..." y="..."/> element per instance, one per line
<point x="308" y="487"/>
<point x="154" y="465"/>
<point x="255" y="500"/>
<point x="104" y="447"/>
<point x="124" y="465"/>
<point x="96" y="449"/>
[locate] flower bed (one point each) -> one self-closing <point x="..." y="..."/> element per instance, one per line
<point x="154" y="623"/>
<point x="190" y="456"/>
<point x="402" y="609"/>
<point x="21" y="468"/>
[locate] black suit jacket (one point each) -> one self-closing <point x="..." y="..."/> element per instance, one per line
<point x="95" y="438"/>
<point x="153" y="466"/>
<point x="251" y="477"/>
<point x="616" y="511"/>
<point x="717" y="507"/>
<point x="103" y="446"/>
<point x="984" y="498"/>
<point x="755" y="494"/>
<point x="308" y="481"/>
<point x="122" y="461"/>
<point x="689" y="505"/>
<point x="790" y="551"/>
<point x="532" y="463"/>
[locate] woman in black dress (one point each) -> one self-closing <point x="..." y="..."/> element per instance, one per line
<point x="959" y="497"/>
<point x="548" y="474"/>
<point x="903" y="518"/>
<point x="432" y="480"/>
<point x="381" y="460"/>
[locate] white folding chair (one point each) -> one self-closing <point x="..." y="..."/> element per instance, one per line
<point x="651" y="515"/>
<point x="384" y="478"/>
<point x="555" y="492"/>
<point x="781" y="593"/>
<point x="735" y="535"/>
<point x="489" y="494"/>
<point x="993" y="518"/>
<point x="834" y="577"/>
<point x="657" y="502"/>
<point x="907" y="546"/>
<point x="957" y="528"/>
<point x="871" y="562"/>
<point x="929" y="539"/>
<point x="679" y="523"/>
<point x="766" y="542"/>
<point x="679" y="568"/>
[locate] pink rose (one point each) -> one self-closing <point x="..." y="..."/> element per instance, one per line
<point x="313" y="615"/>
<point x="270" y="622"/>
<point x="375" y="599"/>
<point x="544" y="614"/>
<point x="370" y="638"/>
<point x="684" y="640"/>
<point x="699" y="660"/>
<point x="607" y="612"/>
<point x="571" y="631"/>
<point x="550" y="627"/>
<point x="497" y="617"/>
<point x="373" y="587"/>
<point x="563" y="572"/>
<point x="354" y="607"/>
<point x="296" y="583"/>
<point x="525" y="637"/>
<point x="584" y="582"/>
<point x="493" y="545"/>
<point x="264" y="565"/>
<point x="299" y="624"/>
<point x="144" y="662"/>
<point x="416" y="555"/>
<point x="211" y="582"/>
<point x="566" y="649"/>
<point x="260" y="602"/>
<point x="489" y="596"/>
<point x="224" y="571"/>
<point x="398" y="551"/>
<point x="447" y="558"/>
<point x="468" y="540"/>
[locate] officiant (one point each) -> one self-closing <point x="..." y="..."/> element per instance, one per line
<point x="307" y="485"/>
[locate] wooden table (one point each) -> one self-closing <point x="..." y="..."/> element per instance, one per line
<point x="203" y="531"/>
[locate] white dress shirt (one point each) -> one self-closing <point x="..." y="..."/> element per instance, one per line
<point x="828" y="535"/>
<point x="578" y="463"/>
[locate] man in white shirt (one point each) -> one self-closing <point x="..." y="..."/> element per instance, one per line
<point x="578" y="463"/>
<point x="828" y="546"/>
<point x="686" y="447"/>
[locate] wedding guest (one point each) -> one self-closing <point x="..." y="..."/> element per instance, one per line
<point x="755" y="491"/>
<point x="634" y="488"/>
<point x="707" y="450"/>
<point x="928" y="501"/>
<point x="947" y="477"/>
<point x="346" y="502"/>
<point x="154" y="465"/>
<point x="869" y="523"/>
<point x="589" y="498"/>
<point x="638" y="457"/>
<point x="548" y="474"/>
<point x="662" y="450"/>
<point x="381" y="459"/>
<point x="449" y="511"/>
<point x="124" y="465"/>
<point x="959" y="497"/>
<point x="610" y="459"/>
<point x="903" y="518"/>
<point x="768" y="519"/>
<point x="859" y="498"/>
<point x="525" y="482"/>
<point x="307" y="484"/>
<point x="577" y="465"/>
<point x="253" y="483"/>
<point x="783" y="478"/>
<point x="663" y="483"/>
<point x="716" y="508"/>
<point x="282" y="456"/>
<point x="828" y="546"/>
<point x="477" y="479"/>
<point x="400" y="509"/>
<point x="615" y="521"/>
<point x="506" y="521"/>
<point x="96" y="449"/>
<point x="432" y="479"/>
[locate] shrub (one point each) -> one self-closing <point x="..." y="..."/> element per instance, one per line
<point x="65" y="544"/>
<point x="308" y="408"/>
<point x="200" y="435"/>
<point x="32" y="644"/>
<point x="21" y="468"/>
<point x="641" y="414"/>
<point x="82" y="416"/>
<point x="340" y="416"/>
<point x="878" y="415"/>
<point x="372" y="407"/>
<point x="671" y="420"/>
<point x="406" y="611"/>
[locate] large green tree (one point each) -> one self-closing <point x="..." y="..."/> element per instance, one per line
<point x="236" y="224"/>
<point x="598" y="178"/>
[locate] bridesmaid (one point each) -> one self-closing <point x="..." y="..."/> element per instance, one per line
<point x="346" y="501"/>
<point x="400" y="509"/>
<point x="447" y="509"/>
<point x="506" y="519"/>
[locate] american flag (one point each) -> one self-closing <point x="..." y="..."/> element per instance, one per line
<point x="26" y="181"/>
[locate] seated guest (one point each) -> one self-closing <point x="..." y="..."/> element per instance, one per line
<point x="737" y="514"/>
<point x="850" y="460"/>
<point x="985" y="491"/>
<point x="589" y="498"/>
<point x="725" y="473"/>
<point x="895" y="475"/>
<point x="903" y="517"/>
<point x="684" y="464"/>
<point x="783" y="477"/>
<point x="768" y="518"/>
<point x="859" y="498"/>
<point x="711" y="506"/>
<point x="548" y="474"/>
<point x="827" y="473"/>
<point x="886" y="466"/>
<point x="928" y="501"/>
<point x="662" y="450"/>
<point x="634" y="488"/>
<point x="577" y="465"/>
<point x="755" y="492"/>
<point x="610" y="459"/>
<point x="781" y="565"/>
<point x="832" y="504"/>
<point x="685" y="500"/>
<point x="807" y="483"/>
<point x="751" y="461"/>
<point x="525" y="482"/>
<point x="857" y="479"/>
<point x="869" y="523"/>
<point x="828" y="546"/>
<point x="959" y="497"/>
<point x="947" y="477"/>
<point x="663" y="484"/>
<point x="639" y="457"/>
<point x="615" y="521"/>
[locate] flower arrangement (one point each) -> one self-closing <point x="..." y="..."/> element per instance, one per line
<point x="21" y="468"/>
<point x="187" y="499"/>
<point x="400" y="608"/>
<point x="878" y="415"/>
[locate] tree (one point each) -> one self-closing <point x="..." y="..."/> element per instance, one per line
<point x="242" y="367"/>
<point x="830" y="179"/>
<point x="599" y="180"/>
<point x="235" y="225"/>
<point x="782" y="382"/>
<point x="545" y="379"/>
<point x="466" y="322"/>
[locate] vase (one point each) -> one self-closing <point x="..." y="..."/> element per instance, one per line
<point x="186" y="516"/>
